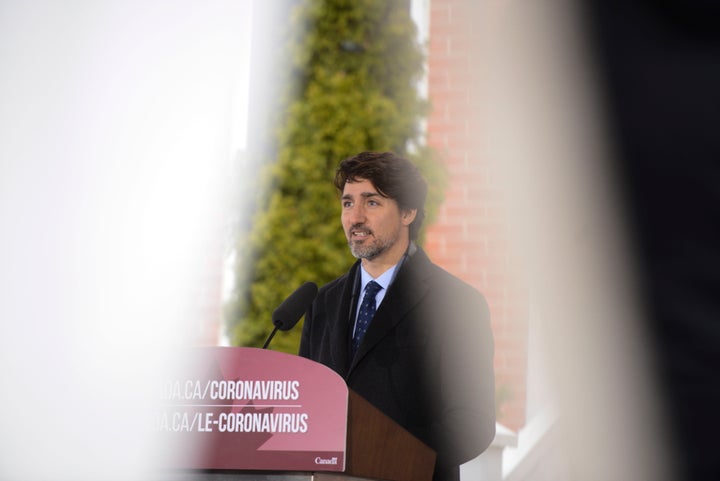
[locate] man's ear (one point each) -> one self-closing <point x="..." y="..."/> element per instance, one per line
<point x="408" y="216"/>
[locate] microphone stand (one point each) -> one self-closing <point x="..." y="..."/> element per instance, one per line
<point x="272" y="334"/>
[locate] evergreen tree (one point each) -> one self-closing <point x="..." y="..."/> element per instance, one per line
<point x="356" y="67"/>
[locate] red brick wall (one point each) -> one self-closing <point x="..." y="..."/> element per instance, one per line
<point x="469" y="237"/>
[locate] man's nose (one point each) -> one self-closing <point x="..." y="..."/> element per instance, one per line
<point x="356" y="215"/>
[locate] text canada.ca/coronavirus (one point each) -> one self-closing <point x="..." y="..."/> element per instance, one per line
<point x="266" y="390"/>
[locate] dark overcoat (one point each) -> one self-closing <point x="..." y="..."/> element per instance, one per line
<point x="426" y="360"/>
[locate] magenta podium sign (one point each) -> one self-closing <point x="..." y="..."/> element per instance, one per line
<point x="253" y="409"/>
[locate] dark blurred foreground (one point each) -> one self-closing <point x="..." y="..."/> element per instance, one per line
<point x="660" y="64"/>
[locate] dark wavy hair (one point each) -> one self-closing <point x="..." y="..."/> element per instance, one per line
<point x="393" y="176"/>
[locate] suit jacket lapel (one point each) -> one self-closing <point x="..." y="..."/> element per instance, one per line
<point x="342" y="327"/>
<point x="407" y="290"/>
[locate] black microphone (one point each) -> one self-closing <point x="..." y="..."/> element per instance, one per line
<point x="292" y="309"/>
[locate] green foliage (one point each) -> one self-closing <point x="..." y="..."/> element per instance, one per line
<point x="356" y="65"/>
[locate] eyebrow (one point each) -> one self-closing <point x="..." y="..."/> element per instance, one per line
<point x="365" y="195"/>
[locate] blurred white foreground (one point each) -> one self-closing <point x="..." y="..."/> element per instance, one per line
<point x="117" y="122"/>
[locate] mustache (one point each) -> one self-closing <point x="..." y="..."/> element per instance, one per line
<point x="360" y="227"/>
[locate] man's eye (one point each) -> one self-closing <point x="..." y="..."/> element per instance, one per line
<point x="372" y="203"/>
<point x="347" y="204"/>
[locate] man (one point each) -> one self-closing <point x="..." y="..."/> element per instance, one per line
<point x="422" y="352"/>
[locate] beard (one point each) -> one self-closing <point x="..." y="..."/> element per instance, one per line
<point x="370" y="247"/>
<point x="367" y="250"/>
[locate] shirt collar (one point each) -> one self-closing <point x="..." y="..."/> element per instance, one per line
<point x="385" y="279"/>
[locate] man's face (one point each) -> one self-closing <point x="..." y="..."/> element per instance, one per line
<point x="374" y="225"/>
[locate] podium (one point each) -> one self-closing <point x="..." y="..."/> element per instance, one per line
<point x="246" y="414"/>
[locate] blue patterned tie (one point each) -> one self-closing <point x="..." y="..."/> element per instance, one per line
<point x="367" y="311"/>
